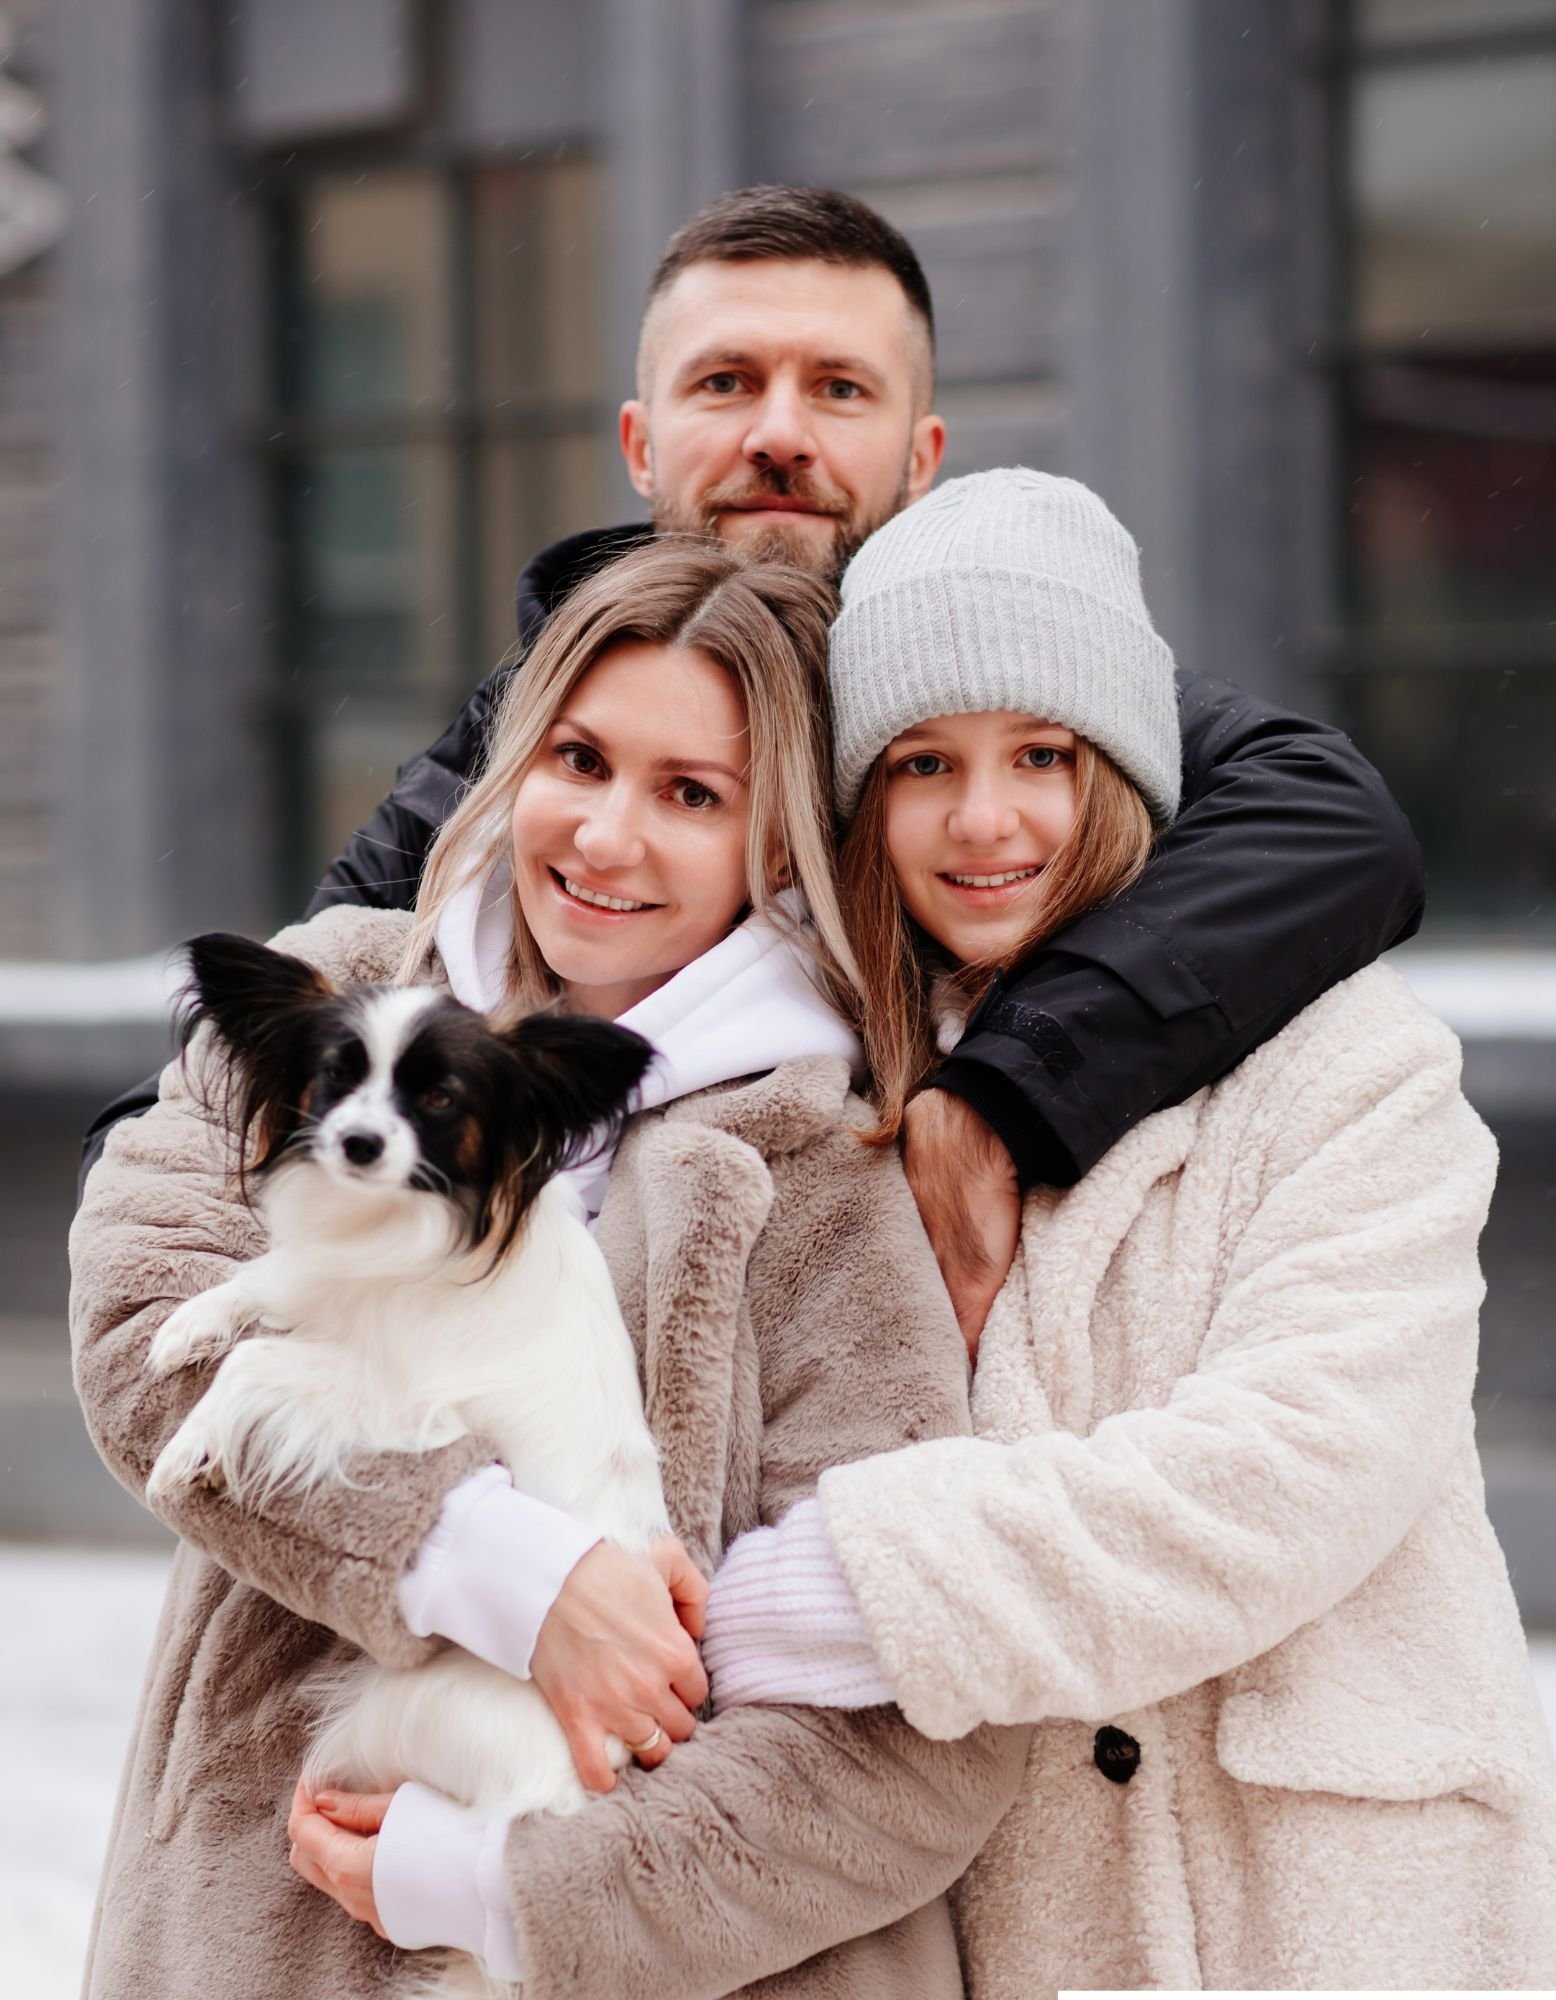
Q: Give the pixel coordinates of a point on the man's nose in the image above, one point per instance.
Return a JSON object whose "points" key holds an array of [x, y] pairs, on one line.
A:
{"points": [[610, 834], [780, 432], [980, 817]]}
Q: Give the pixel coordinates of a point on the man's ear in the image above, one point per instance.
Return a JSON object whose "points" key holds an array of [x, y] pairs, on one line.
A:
{"points": [[637, 448], [925, 451]]}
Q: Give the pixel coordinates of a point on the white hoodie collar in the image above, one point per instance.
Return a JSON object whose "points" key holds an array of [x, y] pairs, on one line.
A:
{"points": [[745, 1006]]}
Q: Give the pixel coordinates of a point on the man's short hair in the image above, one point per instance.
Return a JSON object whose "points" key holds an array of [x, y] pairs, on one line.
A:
{"points": [[789, 224]]}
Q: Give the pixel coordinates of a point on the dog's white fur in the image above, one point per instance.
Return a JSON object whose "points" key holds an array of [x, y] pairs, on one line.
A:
{"points": [[389, 1335]]}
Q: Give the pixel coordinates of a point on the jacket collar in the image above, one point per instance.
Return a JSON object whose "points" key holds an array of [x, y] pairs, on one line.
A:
{"points": [[548, 577]]}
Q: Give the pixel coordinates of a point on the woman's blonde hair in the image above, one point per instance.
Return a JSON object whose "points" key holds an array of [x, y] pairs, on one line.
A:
{"points": [[906, 981], [766, 625]]}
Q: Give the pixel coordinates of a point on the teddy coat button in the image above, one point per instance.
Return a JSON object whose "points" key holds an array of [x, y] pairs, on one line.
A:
{"points": [[1115, 1755]]}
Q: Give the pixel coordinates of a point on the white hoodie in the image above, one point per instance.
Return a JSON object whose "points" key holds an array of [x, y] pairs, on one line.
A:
{"points": [[495, 1560]]}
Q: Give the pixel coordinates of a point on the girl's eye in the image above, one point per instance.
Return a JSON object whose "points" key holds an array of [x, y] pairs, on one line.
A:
{"points": [[580, 759], [1042, 756], [925, 765], [688, 792]]}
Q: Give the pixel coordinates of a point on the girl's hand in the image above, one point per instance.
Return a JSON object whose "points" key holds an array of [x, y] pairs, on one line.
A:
{"points": [[333, 1837], [616, 1655]]}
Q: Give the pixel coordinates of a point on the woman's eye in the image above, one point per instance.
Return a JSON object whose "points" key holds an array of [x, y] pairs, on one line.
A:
{"points": [[579, 758], [688, 792]]}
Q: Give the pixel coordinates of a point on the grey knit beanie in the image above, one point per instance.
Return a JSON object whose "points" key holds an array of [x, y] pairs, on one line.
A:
{"points": [[1004, 590]]}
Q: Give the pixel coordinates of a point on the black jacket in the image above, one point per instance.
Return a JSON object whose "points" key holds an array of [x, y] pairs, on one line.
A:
{"points": [[1288, 867]]}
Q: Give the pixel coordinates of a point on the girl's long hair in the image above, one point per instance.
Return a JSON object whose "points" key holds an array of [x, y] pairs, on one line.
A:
{"points": [[766, 625], [907, 982]]}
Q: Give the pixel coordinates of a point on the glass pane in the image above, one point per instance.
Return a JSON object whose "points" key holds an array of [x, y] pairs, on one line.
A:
{"points": [[537, 250], [531, 493], [371, 535], [1453, 493], [1454, 188], [367, 324], [1468, 754], [1390, 23]]}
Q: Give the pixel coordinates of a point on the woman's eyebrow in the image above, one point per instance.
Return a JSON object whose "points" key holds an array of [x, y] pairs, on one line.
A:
{"points": [[695, 762]]}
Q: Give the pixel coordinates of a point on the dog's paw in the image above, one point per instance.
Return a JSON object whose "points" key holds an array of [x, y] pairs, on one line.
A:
{"points": [[185, 1460], [199, 1330]]}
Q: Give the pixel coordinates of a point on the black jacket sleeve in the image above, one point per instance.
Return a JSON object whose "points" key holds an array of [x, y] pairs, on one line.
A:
{"points": [[1289, 868]]}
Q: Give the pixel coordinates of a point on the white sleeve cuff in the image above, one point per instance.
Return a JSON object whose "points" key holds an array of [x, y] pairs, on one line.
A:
{"points": [[490, 1569], [784, 1626], [439, 1880]]}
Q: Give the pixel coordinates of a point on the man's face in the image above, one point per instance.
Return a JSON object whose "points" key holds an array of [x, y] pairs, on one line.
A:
{"points": [[783, 407]]}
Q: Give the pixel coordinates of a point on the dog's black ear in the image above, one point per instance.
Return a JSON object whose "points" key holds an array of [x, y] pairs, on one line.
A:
{"points": [[579, 1077], [242, 987]]}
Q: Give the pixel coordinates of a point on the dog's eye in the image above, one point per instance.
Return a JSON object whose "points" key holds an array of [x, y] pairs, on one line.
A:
{"points": [[438, 1098], [336, 1072]]}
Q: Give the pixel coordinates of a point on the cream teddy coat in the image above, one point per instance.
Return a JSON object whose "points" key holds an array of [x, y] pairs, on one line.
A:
{"points": [[789, 1315], [1222, 1531]]}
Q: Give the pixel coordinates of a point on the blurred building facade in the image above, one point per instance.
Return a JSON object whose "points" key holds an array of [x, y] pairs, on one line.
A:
{"points": [[332, 338]]}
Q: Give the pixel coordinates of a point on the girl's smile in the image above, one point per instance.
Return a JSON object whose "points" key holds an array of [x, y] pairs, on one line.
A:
{"points": [[976, 806]]}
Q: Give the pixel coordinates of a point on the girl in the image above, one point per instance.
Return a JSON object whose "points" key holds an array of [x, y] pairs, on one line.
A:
{"points": [[1221, 1533], [653, 806]]}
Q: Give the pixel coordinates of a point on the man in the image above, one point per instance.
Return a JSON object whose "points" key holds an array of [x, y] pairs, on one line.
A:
{"points": [[785, 376]]}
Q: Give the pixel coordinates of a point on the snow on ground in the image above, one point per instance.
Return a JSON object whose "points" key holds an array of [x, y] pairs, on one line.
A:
{"points": [[67, 1700]]}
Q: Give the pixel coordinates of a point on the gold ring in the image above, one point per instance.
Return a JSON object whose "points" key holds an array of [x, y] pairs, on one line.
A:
{"points": [[649, 1743]]}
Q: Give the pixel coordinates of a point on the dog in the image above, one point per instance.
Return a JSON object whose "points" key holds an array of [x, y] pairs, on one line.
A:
{"points": [[427, 1278]]}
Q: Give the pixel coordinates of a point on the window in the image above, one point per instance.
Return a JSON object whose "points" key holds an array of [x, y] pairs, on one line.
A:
{"points": [[1446, 357], [436, 419]]}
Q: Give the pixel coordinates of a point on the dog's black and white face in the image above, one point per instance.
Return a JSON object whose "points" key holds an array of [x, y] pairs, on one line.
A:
{"points": [[394, 1088]]}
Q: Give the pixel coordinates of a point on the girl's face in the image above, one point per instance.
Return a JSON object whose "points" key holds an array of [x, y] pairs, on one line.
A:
{"points": [[976, 806], [629, 829]]}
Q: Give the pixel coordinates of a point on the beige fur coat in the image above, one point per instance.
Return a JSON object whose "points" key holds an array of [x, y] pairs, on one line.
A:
{"points": [[789, 1316], [1224, 1503]]}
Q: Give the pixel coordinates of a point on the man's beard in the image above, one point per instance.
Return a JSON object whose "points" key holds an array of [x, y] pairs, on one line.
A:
{"points": [[776, 543]]}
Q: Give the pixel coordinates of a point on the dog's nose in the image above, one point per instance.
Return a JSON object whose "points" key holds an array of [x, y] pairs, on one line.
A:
{"points": [[362, 1148]]}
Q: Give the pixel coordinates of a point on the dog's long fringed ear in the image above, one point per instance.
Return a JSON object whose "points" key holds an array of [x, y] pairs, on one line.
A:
{"points": [[579, 1079], [242, 987]]}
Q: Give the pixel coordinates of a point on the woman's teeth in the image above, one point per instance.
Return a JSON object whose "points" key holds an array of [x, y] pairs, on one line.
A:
{"points": [[600, 902], [995, 881]]}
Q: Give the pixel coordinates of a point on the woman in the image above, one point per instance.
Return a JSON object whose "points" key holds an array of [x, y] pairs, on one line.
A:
{"points": [[1221, 1534], [655, 785]]}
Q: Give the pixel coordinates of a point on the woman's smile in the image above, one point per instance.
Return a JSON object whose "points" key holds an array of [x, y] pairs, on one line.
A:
{"points": [[589, 902]]}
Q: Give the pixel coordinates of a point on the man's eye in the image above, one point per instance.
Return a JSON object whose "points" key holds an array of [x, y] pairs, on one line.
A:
{"points": [[580, 758], [723, 384], [844, 392]]}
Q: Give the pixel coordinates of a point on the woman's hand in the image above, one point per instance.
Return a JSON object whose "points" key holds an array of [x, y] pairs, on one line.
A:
{"points": [[616, 1655], [333, 1838]]}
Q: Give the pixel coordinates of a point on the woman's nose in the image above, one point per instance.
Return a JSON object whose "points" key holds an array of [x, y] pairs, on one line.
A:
{"points": [[609, 834], [981, 817]]}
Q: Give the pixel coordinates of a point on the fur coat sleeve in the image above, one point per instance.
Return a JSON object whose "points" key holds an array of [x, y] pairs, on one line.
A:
{"points": [[161, 1221], [1325, 1206], [774, 1833]]}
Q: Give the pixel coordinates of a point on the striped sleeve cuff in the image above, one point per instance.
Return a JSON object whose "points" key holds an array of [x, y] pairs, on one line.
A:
{"points": [[784, 1626]]}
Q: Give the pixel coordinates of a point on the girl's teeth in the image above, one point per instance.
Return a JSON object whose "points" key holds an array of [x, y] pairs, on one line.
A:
{"points": [[993, 881], [600, 902]]}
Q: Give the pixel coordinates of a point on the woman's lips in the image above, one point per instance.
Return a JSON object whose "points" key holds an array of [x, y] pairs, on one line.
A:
{"points": [[576, 897]]}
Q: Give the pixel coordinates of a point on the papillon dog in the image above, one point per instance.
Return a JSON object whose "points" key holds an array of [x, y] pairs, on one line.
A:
{"points": [[426, 1278]]}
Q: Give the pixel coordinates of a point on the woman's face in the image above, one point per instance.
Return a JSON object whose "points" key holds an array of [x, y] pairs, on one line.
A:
{"points": [[629, 829], [976, 806]]}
